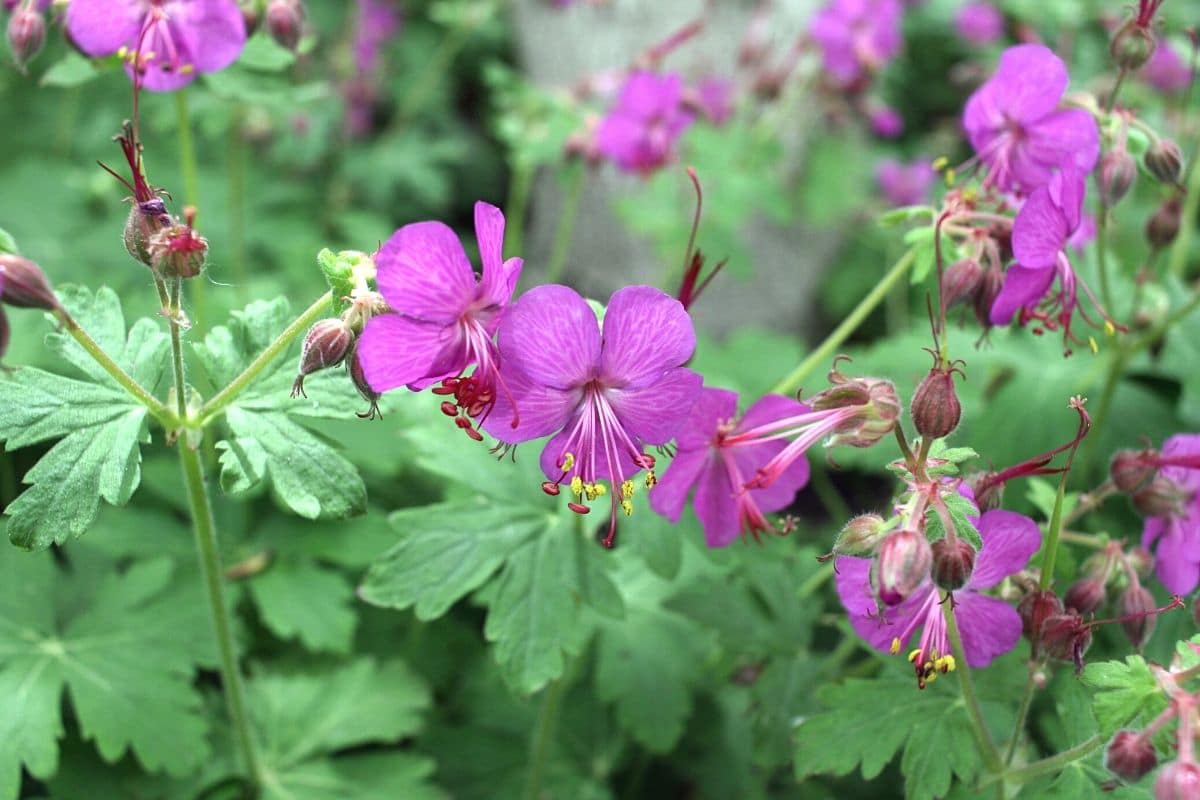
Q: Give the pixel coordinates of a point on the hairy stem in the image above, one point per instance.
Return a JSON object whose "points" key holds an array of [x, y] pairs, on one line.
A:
{"points": [[987, 748], [1052, 534], [1054, 763], [568, 213], [226, 396], [848, 326], [177, 365], [1022, 715]]}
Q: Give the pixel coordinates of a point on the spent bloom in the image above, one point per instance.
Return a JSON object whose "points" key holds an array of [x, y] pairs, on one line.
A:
{"points": [[979, 23], [989, 626], [1016, 128], [640, 131], [1175, 536], [905, 184], [166, 42], [856, 37], [604, 393], [711, 459], [444, 318]]}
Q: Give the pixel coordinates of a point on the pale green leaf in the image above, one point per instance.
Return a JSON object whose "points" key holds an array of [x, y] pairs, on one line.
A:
{"points": [[298, 599]]}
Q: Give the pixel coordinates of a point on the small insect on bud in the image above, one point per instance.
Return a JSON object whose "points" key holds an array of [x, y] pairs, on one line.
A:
{"points": [[1137, 614], [1034, 610], [1132, 45], [902, 563], [1085, 595], [285, 22], [1179, 780], [1161, 497], [953, 563], [26, 35], [960, 282], [1115, 175], [935, 407], [24, 285], [359, 379], [145, 219], [1164, 160], [325, 345], [1132, 470], [1163, 225], [177, 251], [860, 537], [1130, 755]]}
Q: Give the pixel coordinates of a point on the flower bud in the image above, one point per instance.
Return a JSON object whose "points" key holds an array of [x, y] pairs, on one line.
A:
{"points": [[877, 403], [145, 220], [1164, 160], [177, 251], [960, 282], [988, 492], [860, 537], [325, 345], [1162, 497], [989, 289], [1179, 780], [359, 378], [1130, 756], [24, 285], [1034, 610], [1137, 607], [1085, 595], [935, 407], [902, 563], [1115, 176], [26, 35], [251, 15], [953, 563], [1131, 46], [285, 22], [1131, 470], [1163, 225], [1066, 637]]}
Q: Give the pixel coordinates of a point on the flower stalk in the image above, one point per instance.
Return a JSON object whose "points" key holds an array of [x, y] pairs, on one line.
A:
{"points": [[987, 747]]}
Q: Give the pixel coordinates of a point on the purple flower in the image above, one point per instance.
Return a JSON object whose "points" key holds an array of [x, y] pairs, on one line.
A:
{"points": [[1176, 538], [378, 21], [714, 99], [1013, 124], [639, 132], [172, 40], [905, 184], [856, 37], [979, 23], [604, 394], [444, 318], [885, 121], [1166, 71], [719, 470], [989, 627]]}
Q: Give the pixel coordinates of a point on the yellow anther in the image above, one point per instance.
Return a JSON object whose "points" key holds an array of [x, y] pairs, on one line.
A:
{"points": [[123, 52], [627, 507], [600, 489], [895, 645], [950, 176], [946, 663], [1092, 344], [577, 486], [568, 462], [1109, 328], [590, 490], [627, 489], [651, 479], [913, 656], [187, 69], [970, 195], [940, 163]]}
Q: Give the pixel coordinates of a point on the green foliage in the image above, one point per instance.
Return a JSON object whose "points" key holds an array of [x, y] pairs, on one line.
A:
{"points": [[1125, 691]]}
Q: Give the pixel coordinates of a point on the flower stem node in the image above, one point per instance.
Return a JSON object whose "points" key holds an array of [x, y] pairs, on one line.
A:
{"points": [[953, 562], [1131, 46], [1164, 160], [1130, 755], [285, 22], [326, 344], [26, 35], [901, 565], [24, 285]]}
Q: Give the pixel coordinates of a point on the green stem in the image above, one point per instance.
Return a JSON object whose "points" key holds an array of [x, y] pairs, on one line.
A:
{"points": [[568, 213], [156, 408], [236, 155], [543, 736], [847, 327], [1054, 763], [177, 363], [210, 566], [226, 396], [814, 581], [1022, 714], [987, 748], [517, 207], [1102, 256], [827, 493], [1187, 222], [1116, 367], [1052, 534], [191, 184]]}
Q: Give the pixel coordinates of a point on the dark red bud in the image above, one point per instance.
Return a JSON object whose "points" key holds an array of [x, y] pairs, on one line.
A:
{"points": [[935, 407], [1164, 160], [325, 345], [1163, 226], [1137, 612], [1130, 756], [1034, 610], [1131, 46], [1161, 497], [26, 35], [1179, 780], [1115, 175], [1085, 596], [953, 563], [24, 285], [1132, 470], [860, 537], [960, 282], [989, 290], [988, 492], [902, 563], [359, 379], [285, 22], [1066, 637]]}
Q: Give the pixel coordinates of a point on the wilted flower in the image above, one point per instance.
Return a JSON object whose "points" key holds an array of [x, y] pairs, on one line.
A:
{"points": [[1175, 538], [718, 469], [979, 23], [639, 132], [905, 184], [856, 37]]}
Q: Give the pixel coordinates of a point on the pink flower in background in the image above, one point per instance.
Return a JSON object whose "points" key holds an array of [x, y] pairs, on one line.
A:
{"points": [[1166, 71], [444, 318], [979, 23], [377, 22], [885, 121], [713, 98], [174, 40], [1014, 124], [719, 470], [604, 393], [1175, 538], [989, 626], [905, 184], [856, 37], [640, 131]]}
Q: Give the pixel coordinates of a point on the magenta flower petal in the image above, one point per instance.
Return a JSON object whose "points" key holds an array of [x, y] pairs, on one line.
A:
{"points": [[655, 413], [1040, 232], [989, 627], [716, 508], [712, 407], [601, 468], [395, 351], [1028, 84], [1175, 563], [423, 272], [782, 491], [1009, 539], [854, 589], [499, 276], [639, 132], [646, 93], [553, 335], [1067, 138], [769, 408], [646, 332], [670, 495], [102, 27], [216, 31], [1022, 287], [1182, 444], [542, 409]]}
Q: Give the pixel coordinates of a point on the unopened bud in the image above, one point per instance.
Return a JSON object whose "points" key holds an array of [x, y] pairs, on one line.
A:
{"points": [[1163, 225], [251, 14], [145, 219], [1137, 612], [359, 379], [953, 563], [325, 345], [24, 285], [902, 564], [177, 251], [1132, 470], [935, 407], [1115, 175], [1179, 780], [285, 22], [1164, 160], [960, 282], [1067, 638], [1161, 497], [1131, 46], [1085, 595], [860, 537], [1130, 756], [1034, 610], [989, 289], [26, 35]]}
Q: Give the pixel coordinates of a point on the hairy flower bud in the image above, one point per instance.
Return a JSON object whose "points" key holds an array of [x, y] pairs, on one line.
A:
{"points": [[1066, 637], [960, 282], [1129, 755], [145, 219], [285, 22], [1179, 780], [1085, 595], [1137, 607], [876, 401], [989, 289], [1163, 225], [1034, 610], [1164, 160], [1132, 470], [24, 285], [935, 407], [1132, 45], [953, 563], [1115, 175], [325, 345], [1161, 497], [902, 563], [860, 537], [359, 379], [26, 35], [177, 251]]}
